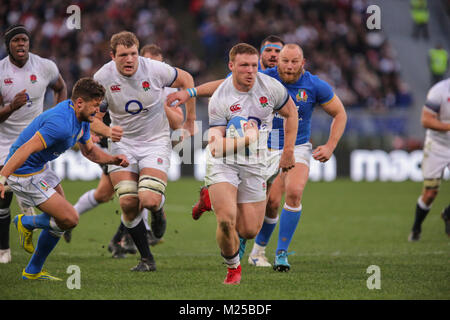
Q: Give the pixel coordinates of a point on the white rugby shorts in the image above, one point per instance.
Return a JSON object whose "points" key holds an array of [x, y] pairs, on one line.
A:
{"points": [[302, 154], [435, 159], [249, 180], [34, 189], [155, 155]]}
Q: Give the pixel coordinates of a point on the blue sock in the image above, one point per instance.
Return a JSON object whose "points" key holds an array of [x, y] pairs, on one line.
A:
{"points": [[40, 221], [266, 231], [46, 243], [242, 243], [288, 223]]}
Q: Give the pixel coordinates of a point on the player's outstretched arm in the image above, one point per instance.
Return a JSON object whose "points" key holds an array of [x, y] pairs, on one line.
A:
{"points": [[290, 115], [204, 90], [97, 155], [336, 109]]}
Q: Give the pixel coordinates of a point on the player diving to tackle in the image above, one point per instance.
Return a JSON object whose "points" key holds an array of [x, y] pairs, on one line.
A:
{"points": [[33, 182]]}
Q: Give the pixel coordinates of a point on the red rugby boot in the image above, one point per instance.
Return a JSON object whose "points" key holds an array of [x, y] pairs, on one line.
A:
{"points": [[203, 204], [233, 276]]}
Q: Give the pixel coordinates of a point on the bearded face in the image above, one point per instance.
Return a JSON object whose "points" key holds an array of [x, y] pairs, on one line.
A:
{"points": [[290, 64]]}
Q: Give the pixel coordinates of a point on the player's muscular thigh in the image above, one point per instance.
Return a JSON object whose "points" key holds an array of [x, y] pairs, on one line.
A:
{"points": [[250, 219]]}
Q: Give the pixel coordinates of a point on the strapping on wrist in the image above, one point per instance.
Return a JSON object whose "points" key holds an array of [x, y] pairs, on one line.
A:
{"points": [[192, 92]]}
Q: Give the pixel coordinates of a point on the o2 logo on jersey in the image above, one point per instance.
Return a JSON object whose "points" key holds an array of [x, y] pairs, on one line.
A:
{"points": [[130, 107]]}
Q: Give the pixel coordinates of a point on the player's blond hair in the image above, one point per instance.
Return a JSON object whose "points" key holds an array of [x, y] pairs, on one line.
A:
{"points": [[124, 38], [242, 48]]}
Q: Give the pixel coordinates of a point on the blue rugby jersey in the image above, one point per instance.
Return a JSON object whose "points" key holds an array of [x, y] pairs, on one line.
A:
{"points": [[308, 91], [59, 130]]}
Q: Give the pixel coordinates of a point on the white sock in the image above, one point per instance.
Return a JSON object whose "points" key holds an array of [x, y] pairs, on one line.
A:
{"points": [[258, 250], [145, 217], [232, 262], [54, 227], [163, 200], [422, 204], [86, 202], [133, 223]]}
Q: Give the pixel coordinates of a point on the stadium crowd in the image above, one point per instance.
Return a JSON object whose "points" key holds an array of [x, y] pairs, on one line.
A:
{"points": [[80, 54], [360, 65]]}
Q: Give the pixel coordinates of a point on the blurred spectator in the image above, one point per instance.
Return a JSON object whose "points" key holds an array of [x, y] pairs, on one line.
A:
{"points": [[420, 17], [438, 63], [80, 53]]}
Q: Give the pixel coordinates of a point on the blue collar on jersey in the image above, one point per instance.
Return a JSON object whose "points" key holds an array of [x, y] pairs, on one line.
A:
{"points": [[71, 104]]}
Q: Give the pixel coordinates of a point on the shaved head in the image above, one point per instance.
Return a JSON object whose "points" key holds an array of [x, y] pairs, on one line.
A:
{"points": [[291, 63], [292, 48]]}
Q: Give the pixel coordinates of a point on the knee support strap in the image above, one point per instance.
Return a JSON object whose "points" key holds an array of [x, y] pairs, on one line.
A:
{"points": [[431, 183], [153, 184], [126, 188]]}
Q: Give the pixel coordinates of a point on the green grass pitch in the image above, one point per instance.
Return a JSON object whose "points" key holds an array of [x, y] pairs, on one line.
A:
{"points": [[345, 228]]}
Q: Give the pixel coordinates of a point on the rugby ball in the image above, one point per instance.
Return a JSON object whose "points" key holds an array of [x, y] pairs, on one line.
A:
{"points": [[235, 127]]}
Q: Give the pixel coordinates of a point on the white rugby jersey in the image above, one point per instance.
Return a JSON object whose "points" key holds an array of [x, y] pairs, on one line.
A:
{"points": [[136, 103], [34, 76], [266, 96], [438, 102]]}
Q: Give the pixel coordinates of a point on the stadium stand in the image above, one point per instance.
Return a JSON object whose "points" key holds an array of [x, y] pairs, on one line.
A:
{"points": [[362, 65], [80, 54]]}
